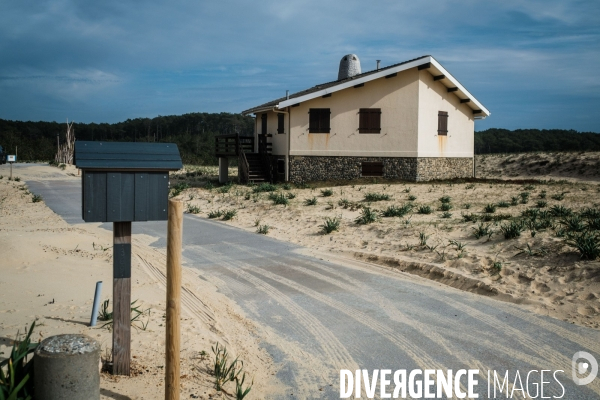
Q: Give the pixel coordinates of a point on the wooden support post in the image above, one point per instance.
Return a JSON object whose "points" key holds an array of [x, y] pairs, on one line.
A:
{"points": [[174, 234], [121, 348]]}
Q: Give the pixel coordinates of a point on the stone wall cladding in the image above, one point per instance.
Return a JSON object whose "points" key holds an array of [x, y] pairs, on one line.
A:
{"points": [[443, 168], [315, 168]]}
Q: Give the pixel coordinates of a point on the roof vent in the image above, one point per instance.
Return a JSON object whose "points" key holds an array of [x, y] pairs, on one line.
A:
{"points": [[349, 66]]}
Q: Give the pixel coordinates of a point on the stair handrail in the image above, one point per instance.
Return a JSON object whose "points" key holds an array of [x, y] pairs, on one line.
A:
{"points": [[243, 166]]}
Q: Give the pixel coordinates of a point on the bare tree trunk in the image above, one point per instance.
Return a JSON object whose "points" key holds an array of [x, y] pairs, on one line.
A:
{"points": [[65, 152]]}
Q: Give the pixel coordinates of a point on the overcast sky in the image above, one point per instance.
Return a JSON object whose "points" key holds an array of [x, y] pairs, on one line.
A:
{"points": [[533, 64]]}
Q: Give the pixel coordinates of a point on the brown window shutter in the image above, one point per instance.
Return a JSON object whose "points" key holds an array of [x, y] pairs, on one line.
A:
{"points": [[442, 123], [319, 120], [280, 123], [263, 124], [369, 120]]}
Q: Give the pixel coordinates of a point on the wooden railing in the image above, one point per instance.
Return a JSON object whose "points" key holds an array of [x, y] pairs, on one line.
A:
{"points": [[243, 166], [230, 145]]}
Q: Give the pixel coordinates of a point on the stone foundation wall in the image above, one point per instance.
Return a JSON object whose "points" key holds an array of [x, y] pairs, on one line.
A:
{"points": [[311, 168], [443, 168]]}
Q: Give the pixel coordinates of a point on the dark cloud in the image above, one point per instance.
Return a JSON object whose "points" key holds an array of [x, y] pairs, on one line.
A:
{"points": [[112, 60]]}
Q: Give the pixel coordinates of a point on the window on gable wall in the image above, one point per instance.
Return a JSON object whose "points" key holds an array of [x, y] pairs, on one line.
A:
{"points": [[443, 123], [369, 120], [280, 123], [263, 124], [319, 120]]}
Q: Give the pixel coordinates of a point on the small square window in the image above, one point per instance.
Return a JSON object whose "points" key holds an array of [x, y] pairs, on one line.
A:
{"points": [[319, 119], [370, 168], [369, 120]]}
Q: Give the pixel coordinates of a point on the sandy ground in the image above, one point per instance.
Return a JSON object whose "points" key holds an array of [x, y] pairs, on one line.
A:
{"points": [[537, 270], [574, 167], [48, 272]]}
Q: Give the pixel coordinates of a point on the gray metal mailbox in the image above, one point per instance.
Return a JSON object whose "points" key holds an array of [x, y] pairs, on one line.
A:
{"points": [[121, 183], [125, 181]]}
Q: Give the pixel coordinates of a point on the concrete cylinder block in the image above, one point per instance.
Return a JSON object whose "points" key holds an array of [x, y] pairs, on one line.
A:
{"points": [[67, 367]]}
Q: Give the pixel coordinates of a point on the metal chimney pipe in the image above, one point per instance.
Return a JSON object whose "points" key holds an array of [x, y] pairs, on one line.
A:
{"points": [[378, 62], [287, 94]]}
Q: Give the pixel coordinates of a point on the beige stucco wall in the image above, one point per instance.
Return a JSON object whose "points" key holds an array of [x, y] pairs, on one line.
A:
{"points": [[398, 99], [279, 140], [434, 97], [409, 103]]}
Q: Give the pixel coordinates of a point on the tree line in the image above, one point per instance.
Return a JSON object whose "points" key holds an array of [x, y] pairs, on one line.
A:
{"points": [[528, 140], [193, 133]]}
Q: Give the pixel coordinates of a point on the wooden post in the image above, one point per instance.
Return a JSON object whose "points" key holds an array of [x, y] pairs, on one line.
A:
{"points": [[121, 350], [174, 233]]}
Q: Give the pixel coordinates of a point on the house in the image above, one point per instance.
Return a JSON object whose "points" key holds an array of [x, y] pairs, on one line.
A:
{"points": [[411, 120]]}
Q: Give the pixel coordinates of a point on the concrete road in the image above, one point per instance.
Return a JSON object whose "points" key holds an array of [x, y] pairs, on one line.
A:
{"points": [[318, 317]]}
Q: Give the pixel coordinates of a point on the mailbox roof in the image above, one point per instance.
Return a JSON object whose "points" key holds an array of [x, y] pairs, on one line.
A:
{"points": [[127, 155]]}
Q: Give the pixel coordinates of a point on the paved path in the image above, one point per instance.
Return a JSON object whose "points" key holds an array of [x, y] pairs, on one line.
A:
{"points": [[318, 317]]}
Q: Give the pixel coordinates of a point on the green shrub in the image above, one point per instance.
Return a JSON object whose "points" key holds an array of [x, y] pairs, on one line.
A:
{"points": [[229, 214], [587, 243], [423, 239], [560, 211], [344, 203], [263, 229], [310, 202], [17, 179], [16, 382], [466, 206], [558, 197], [376, 197], [470, 217], [36, 198], [590, 213], [593, 224], [424, 209], [330, 225], [495, 217], [178, 188], [286, 186], [489, 208], [411, 197], [446, 207], [264, 187], [215, 214], [326, 192], [482, 230], [445, 199], [573, 223], [225, 188], [446, 214], [541, 203], [291, 195], [367, 216], [279, 198], [512, 230], [524, 197], [543, 194], [514, 201], [192, 209], [503, 204], [394, 211]]}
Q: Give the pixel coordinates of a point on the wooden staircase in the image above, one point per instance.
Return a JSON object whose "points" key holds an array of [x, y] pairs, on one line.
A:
{"points": [[252, 167], [256, 169]]}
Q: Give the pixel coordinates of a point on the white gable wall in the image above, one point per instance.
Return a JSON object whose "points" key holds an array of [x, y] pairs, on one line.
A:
{"points": [[434, 97]]}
